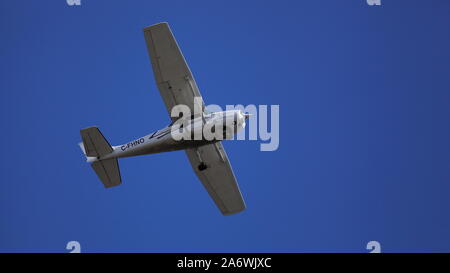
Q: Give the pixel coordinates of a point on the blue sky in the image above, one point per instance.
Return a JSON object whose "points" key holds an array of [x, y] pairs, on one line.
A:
{"points": [[364, 153]]}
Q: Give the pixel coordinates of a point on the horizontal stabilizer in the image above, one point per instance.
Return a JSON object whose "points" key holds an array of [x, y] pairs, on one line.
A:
{"points": [[95, 144], [108, 172]]}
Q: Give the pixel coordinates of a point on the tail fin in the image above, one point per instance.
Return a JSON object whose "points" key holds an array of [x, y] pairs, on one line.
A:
{"points": [[89, 159], [95, 146]]}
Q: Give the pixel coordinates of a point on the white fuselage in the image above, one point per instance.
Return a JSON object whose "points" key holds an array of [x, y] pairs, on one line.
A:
{"points": [[184, 133]]}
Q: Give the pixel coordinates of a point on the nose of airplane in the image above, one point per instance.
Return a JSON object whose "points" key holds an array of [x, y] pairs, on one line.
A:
{"points": [[242, 118]]}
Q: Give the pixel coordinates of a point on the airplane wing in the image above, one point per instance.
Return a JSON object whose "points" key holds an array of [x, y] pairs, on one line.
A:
{"points": [[173, 77], [218, 177]]}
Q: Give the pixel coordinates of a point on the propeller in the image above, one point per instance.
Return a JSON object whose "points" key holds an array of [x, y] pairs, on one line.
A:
{"points": [[247, 115]]}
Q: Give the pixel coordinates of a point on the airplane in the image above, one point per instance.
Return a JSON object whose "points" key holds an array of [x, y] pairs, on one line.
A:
{"points": [[206, 155]]}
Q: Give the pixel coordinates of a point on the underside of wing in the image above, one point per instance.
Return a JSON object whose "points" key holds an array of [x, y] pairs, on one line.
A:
{"points": [[211, 165], [173, 77]]}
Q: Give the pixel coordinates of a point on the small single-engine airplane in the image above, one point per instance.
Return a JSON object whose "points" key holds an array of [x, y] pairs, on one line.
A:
{"points": [[206, 154]]}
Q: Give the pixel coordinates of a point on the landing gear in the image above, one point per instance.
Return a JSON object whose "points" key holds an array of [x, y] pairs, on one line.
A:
{"points": [[202, 166]]}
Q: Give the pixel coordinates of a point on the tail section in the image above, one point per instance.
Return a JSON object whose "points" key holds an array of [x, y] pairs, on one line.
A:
{"points": [[108, 172], [95, 146], [89, 159]]}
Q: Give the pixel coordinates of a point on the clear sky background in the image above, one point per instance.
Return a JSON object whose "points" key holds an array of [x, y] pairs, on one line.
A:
{"points": [[364, 95]]}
